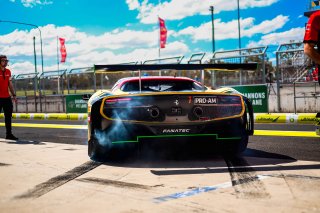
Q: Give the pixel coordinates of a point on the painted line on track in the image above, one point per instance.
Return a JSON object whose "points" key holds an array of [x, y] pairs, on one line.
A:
{"points": [[199, 190], [285, 133], [256, 132]]}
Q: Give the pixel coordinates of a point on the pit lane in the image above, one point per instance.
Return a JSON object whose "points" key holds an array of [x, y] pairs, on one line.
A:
{"points": [[48, 170]]}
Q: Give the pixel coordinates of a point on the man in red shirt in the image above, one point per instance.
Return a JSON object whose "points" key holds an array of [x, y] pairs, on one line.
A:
{"points": [[312, 38], [5, 98]]}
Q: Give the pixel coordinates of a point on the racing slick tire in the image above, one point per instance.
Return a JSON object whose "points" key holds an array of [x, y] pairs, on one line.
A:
{"points": [[96, 152], [235, 148]]}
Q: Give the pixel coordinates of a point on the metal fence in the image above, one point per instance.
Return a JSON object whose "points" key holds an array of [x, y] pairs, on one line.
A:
{"points": [[292, 63], [292, 69], [80, 80], [242, 77], [303, 91], [46, 92], [26, 89]]}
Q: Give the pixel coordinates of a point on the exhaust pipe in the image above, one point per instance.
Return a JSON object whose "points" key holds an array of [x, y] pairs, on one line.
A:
{"points": [[198, 112], [154, 112]]}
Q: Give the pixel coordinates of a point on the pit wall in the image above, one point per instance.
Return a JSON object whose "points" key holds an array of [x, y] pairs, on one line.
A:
{"points": [[307, 101]]}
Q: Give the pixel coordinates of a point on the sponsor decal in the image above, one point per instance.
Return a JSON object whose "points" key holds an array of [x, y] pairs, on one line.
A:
{"points": [[307, 119], [205, 100], [270, 119], [175, 130], [38, 116], [176, 102], [24, 116]]}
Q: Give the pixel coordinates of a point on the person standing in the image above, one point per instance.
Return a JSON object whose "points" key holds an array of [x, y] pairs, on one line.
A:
{"points": [[312, 39], [5, 98]]}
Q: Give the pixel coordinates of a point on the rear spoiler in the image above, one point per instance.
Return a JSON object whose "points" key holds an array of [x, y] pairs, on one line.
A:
{"points": [[154, 67], [129, 67]]}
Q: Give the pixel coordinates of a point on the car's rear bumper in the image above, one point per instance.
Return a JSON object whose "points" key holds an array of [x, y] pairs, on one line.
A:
{"points": [[215, 131]]}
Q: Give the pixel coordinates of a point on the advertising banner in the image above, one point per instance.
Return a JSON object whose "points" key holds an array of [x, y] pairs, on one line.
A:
{"points": [[258, 95], [75, 104]]}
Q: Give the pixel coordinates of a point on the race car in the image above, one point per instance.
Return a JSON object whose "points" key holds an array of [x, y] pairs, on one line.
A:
{"points": [[147, 109]]}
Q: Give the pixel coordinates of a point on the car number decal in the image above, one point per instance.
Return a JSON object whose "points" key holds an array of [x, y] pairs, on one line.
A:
{"points": [[205, 100]]}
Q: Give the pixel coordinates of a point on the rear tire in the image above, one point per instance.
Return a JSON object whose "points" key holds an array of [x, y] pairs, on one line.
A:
{"points": [[96, 152], [234, 148]]}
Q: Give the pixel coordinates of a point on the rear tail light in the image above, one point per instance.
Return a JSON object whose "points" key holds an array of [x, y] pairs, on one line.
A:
{"points": [[117, 100]]}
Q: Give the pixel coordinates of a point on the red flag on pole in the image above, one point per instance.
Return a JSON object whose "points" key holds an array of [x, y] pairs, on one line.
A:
{"points": [[163, 33], [63, 50]]}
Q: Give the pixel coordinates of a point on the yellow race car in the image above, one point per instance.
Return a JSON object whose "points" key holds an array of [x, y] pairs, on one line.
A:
{"points": [[167, 108]]}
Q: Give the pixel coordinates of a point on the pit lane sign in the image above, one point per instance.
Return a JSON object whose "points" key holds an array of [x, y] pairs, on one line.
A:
{"points": [[75, 104], [258, 95]]}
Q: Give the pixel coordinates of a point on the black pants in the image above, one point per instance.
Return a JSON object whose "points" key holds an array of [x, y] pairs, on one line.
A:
{"points": [[6, 105]]}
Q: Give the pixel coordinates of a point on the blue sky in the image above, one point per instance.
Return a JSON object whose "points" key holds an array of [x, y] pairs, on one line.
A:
{"points": [[120, 31]]}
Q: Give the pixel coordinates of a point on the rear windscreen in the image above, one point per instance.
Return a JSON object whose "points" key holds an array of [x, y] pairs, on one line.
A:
{"points": [[161, 86]]}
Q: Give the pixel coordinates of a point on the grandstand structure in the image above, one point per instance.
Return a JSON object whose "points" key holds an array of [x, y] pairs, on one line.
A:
{"points": [[292, 64]]}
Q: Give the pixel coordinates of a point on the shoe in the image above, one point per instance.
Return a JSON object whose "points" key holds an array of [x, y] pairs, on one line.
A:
{"points": [[11, 137]]}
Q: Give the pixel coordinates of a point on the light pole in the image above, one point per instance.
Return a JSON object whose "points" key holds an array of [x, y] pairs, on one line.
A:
{"points": [[239, 24], [213, 46], [212, 20], [33, 25]]}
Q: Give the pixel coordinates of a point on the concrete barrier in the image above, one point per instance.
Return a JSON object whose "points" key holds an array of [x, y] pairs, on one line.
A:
{"points": [[302, 118], [49, 116]]}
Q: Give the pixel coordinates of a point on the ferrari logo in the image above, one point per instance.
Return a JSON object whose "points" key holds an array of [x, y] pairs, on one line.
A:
{"points": [[176, 102]]}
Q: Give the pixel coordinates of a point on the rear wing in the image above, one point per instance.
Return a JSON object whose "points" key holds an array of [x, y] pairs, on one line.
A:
{"points": [[129, 67], [186, 67]]}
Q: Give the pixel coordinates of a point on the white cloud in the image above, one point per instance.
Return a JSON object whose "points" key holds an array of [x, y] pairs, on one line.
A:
{"points": [[118, 46], [229, 30], [179, 9], [32, 3], [22, 67], [294, 34], [133, 4], [265, 26]]}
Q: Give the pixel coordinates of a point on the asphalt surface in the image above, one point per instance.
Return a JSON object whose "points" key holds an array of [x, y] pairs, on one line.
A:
{"points": [[299, 148], [48, 170]]}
